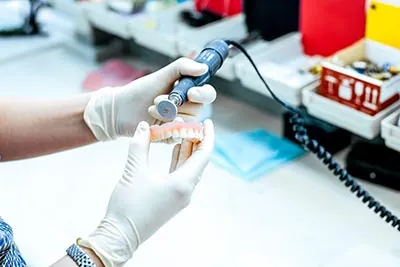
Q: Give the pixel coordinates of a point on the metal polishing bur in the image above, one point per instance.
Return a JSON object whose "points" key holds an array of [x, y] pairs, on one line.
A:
{"points": [[167, 109]]}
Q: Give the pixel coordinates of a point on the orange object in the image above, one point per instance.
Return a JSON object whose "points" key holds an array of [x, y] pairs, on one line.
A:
{"points": [[193, 131], [223, 8], [330, 25]]}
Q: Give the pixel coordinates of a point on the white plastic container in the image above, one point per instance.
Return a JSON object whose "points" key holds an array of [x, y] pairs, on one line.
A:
{"points": [[391, 131], [229, 70], [77, 14], [69, 7], [110, 21], [191, 43], [343, 116], [279, 66], [159, 30]]}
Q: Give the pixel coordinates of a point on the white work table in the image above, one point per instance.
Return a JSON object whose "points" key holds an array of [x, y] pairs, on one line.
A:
{"points": [[296, 216]]}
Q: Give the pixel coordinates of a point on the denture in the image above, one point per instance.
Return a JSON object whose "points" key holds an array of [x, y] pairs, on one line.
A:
{"points": [[177, 131]]}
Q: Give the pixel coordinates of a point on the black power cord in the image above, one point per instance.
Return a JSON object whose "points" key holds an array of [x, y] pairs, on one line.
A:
{"points": [[297, 121]]}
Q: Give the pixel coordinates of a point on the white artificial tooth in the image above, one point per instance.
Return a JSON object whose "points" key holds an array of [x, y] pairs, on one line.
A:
{"points": [[167, 134], [196, 134], [201, 136], [175, 134], [184, 133], [190, 133], [162, 137]]}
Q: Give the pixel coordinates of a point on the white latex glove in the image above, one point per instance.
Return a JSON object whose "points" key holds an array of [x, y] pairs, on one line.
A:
{"points": [[143, 201], [116, 112]]}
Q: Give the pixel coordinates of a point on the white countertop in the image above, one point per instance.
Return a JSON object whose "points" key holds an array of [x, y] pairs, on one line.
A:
{"points": [[297, 215]]}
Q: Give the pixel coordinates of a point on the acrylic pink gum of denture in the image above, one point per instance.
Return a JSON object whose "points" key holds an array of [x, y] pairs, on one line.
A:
{"points": [[192, 131]]}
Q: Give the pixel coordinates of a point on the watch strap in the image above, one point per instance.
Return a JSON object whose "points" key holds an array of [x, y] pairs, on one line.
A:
{"points": [[79, 256]]}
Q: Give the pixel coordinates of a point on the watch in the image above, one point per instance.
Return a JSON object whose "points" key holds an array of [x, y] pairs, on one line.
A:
{"points": [[79, 256]]}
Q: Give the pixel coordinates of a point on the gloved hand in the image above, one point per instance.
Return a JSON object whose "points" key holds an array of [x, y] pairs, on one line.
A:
{"points": [[116, 112], [143, 201]]}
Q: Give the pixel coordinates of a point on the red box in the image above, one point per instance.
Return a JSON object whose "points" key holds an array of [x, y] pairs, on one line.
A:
{"points": [[328, 26], [356, 90], [224, 8]]}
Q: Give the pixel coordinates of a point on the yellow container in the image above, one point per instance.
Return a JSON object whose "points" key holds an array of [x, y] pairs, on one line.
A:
{"points": [[383, 22]]}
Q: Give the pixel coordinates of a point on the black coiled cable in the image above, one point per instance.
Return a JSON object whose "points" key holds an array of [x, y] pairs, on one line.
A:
{"points": [[297, 122]]}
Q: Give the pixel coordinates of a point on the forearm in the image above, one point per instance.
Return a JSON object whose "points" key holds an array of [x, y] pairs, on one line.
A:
{"points": [[68, 262], [30, 128]]}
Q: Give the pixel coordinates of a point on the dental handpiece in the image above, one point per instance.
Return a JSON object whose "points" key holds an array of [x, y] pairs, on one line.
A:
{"points": [[213, 55]]}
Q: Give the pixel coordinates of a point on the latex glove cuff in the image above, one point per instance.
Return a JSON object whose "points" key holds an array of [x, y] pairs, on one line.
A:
{"points": [[99, 114], [113, 247]]}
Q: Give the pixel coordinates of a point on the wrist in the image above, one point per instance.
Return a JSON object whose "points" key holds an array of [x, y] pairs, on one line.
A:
{"points": [[96, 260]]}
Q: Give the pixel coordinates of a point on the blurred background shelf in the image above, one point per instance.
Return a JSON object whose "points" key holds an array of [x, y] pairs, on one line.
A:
{"points": [[73, 8], [343, 116], [159, 31], [191, 43], [58, 30], [254, 49], [391, 131], [279, 66], [77, 14], [109, 21]]}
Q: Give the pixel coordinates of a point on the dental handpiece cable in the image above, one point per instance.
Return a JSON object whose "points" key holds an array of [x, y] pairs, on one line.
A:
{"points": [[301, 135], [213, 55]]}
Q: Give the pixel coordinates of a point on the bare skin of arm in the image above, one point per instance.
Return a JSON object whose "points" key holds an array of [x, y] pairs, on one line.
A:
{"points": [[68, 262], [31, 128]]}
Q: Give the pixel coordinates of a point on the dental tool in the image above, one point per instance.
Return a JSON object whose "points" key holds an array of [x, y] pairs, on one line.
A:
{"points": [[213, 55]]}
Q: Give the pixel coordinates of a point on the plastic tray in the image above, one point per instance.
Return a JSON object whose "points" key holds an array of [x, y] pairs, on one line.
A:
{"points": [[159, 31], [391, 131], [76, 9], [68, 7], [343, 116], [191, 43], [281, 51], [255, 48], [110, 21], [76, 12]]}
